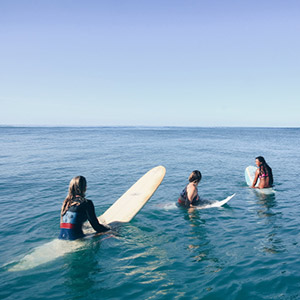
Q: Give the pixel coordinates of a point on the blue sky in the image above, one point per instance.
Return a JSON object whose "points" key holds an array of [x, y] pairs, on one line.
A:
{"points": [[151, 63]]}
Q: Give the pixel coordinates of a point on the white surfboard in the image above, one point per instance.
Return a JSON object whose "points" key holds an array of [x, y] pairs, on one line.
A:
{"points": [[123, 210], [249, 177], [207, 204], [215, 203]]}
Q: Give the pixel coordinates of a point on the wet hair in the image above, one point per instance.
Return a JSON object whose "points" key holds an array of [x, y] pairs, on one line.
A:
{"points": [[195, 176], [77, 187], [261, 159], [265, 169]]}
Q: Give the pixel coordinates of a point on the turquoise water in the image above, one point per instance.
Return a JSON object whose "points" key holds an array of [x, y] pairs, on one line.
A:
{"points": [[248, 249]]}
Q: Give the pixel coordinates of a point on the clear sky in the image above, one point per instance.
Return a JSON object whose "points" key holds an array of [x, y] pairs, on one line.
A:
{"points": [[151, 63]]}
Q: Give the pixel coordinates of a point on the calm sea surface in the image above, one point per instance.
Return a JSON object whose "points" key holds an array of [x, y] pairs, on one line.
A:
{"points": [[248, 249]]}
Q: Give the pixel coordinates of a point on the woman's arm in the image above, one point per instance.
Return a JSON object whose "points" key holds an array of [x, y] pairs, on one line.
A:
{"points": [[93, 219], [255, 179], [191, 193]]}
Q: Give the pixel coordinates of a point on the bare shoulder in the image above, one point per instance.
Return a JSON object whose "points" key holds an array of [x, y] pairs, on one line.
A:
{"points": [[191, 187]]}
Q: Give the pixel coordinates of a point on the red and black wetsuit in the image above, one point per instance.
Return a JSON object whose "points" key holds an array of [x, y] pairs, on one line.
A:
{"points": [[81, 210]]}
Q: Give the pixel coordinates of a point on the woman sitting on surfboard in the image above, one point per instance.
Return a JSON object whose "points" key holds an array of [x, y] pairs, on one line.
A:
{"points": [[76, 209], [264, 173], [189, 196]]}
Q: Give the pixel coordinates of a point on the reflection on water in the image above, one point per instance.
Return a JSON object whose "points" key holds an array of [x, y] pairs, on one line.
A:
{"points": [[200, 245], [79, 281], [271, 243], [266, 203], [143, 259]]}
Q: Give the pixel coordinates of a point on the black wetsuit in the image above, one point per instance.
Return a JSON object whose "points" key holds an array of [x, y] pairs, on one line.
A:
{"points": [[81, 210]]}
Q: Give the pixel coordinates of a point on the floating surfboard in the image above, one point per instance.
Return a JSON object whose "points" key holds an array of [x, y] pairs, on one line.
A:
{"points": [[210, 204], [249, 177], [123, 210], [206, 204]]}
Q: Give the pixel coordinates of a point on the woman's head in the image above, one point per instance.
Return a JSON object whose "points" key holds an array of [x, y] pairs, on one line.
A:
{"points": [[195, 176], [77, 186], [259, 160]]}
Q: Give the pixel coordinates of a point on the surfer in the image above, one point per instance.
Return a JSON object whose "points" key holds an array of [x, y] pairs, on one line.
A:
{"points": [[76, 209], [264, 173], [189, 196]]}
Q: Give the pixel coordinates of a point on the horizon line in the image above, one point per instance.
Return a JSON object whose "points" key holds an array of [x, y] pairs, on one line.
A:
{"points": [[140, 126]]}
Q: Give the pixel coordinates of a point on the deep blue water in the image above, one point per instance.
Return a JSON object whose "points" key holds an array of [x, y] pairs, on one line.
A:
{"points": [[248, 249]]}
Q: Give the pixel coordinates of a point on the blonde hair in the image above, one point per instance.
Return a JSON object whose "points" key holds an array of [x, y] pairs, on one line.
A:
{"points": [[195, 176], [77, 187]]}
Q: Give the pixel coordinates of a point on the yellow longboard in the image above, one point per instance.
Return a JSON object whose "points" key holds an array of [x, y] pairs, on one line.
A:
{"points": [[132, 201]]}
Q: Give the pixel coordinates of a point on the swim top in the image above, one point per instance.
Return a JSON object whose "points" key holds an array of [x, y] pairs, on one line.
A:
{"points": [[183, 198], [81, 210], [263, 173]]}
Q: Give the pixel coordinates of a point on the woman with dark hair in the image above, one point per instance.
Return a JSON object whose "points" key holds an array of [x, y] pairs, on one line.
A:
{"points": [[264, 173], [189, 196], [76, 209]]}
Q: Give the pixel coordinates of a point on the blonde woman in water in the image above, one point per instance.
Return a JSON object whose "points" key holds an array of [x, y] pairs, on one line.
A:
{"points": [[76, 209]]}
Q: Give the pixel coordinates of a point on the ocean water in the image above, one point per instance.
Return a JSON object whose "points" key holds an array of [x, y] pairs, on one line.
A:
{"points": [[248, 249]]}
